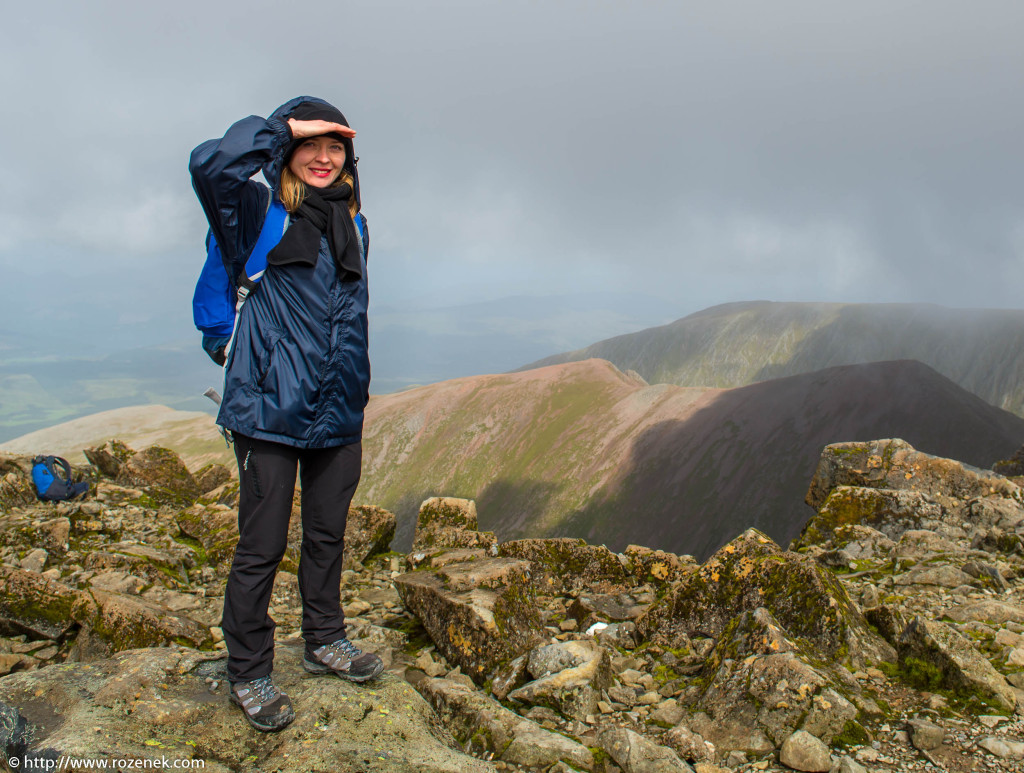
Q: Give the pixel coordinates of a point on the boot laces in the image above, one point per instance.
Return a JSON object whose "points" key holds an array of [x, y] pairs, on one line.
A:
{"points": [[264, 689], [347, 648]]}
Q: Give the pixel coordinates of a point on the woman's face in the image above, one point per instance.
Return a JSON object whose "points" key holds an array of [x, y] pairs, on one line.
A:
{"points": [[318, 160]]}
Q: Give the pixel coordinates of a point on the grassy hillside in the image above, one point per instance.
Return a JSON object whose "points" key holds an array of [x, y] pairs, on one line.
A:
{"points": [[737, 344], [191, 433]]}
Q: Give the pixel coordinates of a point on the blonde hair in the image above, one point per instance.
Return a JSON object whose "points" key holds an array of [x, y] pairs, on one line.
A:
{"points": [[293, 191]]}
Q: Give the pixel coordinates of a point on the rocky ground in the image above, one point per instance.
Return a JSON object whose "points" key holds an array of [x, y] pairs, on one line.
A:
{"points": [[889, 637]]}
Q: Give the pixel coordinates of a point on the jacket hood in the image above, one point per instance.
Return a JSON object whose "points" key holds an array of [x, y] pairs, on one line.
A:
{"points": [[272, 169]]}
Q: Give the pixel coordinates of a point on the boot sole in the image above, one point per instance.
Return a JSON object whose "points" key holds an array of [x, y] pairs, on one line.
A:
{"points": [[319, 668]]}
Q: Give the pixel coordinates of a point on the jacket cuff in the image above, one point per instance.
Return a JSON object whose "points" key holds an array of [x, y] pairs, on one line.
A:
{"points": [[282, 133]]}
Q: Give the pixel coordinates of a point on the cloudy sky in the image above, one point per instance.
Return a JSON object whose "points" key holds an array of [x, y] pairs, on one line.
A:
{"points": [[690, 153]]}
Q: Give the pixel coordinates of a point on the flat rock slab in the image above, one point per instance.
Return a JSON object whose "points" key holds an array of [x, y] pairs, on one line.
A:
{"points": [[475, 719], [478, 613], [989, 611], [147, 704], [567, 562], [636, 754]]}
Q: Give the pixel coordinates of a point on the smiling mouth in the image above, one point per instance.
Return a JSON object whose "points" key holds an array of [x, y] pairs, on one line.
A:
{"points": [[320, 172]]}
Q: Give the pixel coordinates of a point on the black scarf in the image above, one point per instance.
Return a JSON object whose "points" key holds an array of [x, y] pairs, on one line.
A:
{"points": [[323, 211]]}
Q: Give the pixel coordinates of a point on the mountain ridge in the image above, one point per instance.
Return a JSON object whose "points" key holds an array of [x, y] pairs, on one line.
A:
{"points": [[746, 342]]}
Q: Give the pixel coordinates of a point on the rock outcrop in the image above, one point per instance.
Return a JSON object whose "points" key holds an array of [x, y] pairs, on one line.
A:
{"points": [[889, 635]]}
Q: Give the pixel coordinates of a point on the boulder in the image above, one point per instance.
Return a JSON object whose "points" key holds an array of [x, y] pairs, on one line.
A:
{"points": [[751, 572], [889, 620], [566, 563], [895, 464], [16, 487], [211, 477], [802, 751], [478, 613], [636, 754], [482, 724], [942, 575], [589, 608], [859, 541], [657, 567], [40, 607], [214, 528], [886, 511], [690, 746], [567, 677], [932, 655], [987, 610], [448, 522], [163, 474], [368, 531], [995, 512], [761, 686], [148, 704], [925, 735], [123, 622], [109, 459], [1004, 748]]}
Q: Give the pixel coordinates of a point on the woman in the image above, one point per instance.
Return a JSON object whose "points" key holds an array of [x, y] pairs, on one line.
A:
{"points": [[297, 376]]}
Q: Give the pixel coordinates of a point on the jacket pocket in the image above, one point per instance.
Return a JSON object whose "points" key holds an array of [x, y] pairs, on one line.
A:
{"points": [[272, 339]]}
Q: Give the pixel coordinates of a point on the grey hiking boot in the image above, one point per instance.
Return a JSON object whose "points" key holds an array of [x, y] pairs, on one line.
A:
{"points": [[267, 708], [344, 659]]}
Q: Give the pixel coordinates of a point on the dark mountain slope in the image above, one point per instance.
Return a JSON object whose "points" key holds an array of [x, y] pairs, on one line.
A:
{"points": [[745, 459], [581, 449]]}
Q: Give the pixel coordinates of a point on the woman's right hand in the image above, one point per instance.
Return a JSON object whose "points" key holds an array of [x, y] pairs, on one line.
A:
{"points": [[302, 129]]}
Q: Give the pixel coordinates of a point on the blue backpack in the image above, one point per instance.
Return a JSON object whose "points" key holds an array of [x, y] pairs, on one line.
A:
{"points": [[50, 485], [220, 293]]}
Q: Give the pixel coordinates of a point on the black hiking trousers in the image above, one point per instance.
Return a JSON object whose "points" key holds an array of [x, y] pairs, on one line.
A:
{"points": [[266, 473]]}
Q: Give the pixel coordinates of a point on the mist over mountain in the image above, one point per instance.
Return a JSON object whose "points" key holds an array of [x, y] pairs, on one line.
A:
{"points": [[736, 344]]}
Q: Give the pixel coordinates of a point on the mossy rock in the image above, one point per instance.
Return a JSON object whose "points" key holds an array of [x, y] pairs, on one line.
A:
{"points": [[751, 572], [164, 476], [933, 655], [479, 614], [33, 604], [895, 464], [568, 562], [887, 511]]}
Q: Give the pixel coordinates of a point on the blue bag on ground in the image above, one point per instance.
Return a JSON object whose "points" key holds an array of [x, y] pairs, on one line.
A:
{"points": [[51, 486]]}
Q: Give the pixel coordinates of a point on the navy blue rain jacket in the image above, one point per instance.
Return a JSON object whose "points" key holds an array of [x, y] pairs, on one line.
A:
{"points": [[298, 371]]}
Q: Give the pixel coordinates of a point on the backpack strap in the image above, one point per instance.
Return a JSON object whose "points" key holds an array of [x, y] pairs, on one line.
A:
{"points": [[59, 460], [274, 223]]}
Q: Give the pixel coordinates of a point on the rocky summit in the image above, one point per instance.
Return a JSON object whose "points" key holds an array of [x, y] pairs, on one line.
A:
{"points": [[889, 636]]}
